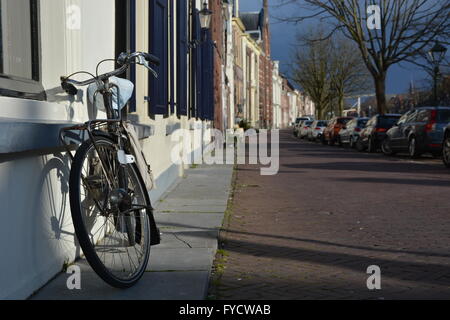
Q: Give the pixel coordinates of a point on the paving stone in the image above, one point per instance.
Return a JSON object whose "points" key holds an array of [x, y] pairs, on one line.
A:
{"points": [[393, 214], [179, 267], [152, 286]]}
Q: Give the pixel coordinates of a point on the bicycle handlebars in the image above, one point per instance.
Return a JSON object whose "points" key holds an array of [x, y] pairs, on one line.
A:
{"points": [[125, 59]]}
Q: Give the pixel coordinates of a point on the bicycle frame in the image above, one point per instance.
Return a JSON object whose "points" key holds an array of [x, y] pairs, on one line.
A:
{"points": [[112, 125]]}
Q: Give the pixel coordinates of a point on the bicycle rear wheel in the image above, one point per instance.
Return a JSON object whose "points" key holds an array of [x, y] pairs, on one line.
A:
{"points": [[110, 211]]}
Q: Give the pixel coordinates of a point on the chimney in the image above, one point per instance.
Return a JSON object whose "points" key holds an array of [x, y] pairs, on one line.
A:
{"points": [[266, 11]]}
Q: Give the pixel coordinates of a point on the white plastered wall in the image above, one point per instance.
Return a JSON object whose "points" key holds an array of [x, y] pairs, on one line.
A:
{"points": [[36, 236], [39, 237]]}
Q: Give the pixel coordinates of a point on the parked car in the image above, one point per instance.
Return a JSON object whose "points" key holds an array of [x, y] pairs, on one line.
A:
{"points": [[304, 129], [317, 130], [419, 131], [350, 133], [331, 132], [373, 135], [298, 123], [446, 146]]}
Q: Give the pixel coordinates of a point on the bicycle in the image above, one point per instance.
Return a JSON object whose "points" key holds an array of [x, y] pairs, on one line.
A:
{"points": [[110, 206]]}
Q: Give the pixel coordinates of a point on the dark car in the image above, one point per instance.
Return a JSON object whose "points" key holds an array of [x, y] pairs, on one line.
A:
{"points": [[418, 131], [350, 133], [331, 132], [373, 135], [446, 147]]}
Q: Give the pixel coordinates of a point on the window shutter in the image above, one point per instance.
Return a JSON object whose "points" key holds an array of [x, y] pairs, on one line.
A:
{"points": [[182, 64], [207, 94], [211, 79], [158, 88], [204, 84], [197, 66]]}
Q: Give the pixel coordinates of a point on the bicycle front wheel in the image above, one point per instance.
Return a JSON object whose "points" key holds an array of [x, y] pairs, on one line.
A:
{"points": [[110, 211]]}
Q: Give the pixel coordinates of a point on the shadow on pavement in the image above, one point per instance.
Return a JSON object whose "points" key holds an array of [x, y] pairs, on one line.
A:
{"points": [[202, 233], [419, 182], [385, 166]]}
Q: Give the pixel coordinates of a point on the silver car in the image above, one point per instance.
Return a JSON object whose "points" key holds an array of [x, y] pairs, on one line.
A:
{"points": [[351, 132], [304, 129], [298, 124], [316, 131]]}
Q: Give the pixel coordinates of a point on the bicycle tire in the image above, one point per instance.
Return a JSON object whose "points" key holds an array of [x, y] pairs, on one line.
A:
{"points": [[84, 236]]}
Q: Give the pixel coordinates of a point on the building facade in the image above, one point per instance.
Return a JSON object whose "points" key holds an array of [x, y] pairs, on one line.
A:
{"points": [[60, 41], [208, 78], [277, 88], [238, 69]]}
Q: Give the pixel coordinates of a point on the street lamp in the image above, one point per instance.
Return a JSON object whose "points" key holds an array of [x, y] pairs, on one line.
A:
{"points": [[205, 16], [437, 54]]}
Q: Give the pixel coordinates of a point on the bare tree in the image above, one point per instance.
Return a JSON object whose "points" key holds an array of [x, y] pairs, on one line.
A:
{"points": [[348, 73], [436, 74], [423, 60], [328, 70], [311, 71], [405, 28]]}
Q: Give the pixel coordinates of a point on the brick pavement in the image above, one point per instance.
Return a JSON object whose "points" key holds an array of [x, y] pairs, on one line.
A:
{"points": [[311, 231]]}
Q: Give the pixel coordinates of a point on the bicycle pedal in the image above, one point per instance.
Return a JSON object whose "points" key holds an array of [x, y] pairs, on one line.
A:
{"points": [[125, 158]]}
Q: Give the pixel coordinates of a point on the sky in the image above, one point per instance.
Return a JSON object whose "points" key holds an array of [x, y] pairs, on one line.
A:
{"points": [[284, 35]]}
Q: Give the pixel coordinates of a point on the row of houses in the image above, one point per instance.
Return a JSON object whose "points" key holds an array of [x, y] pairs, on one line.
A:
{"points": [[251, 86], [208, 78]]}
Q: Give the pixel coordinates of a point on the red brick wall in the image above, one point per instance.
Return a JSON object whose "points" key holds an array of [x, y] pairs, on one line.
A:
{"points": [[217, 36], [266, 69]]}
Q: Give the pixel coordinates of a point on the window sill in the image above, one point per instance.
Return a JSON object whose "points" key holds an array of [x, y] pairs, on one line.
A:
{"points": [[17, 136]]}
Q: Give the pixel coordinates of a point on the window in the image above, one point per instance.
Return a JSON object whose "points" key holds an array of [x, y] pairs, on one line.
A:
{"points": [[412, 116], [444, 116], [343, 121], [387, 122], [362, 123], [126, 38], [404, 117], [19, 50], [423, 116]]}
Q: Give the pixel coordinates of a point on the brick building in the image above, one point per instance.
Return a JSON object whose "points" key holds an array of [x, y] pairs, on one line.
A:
{"points": [[257, 27], [265, 74], [217, 33]]}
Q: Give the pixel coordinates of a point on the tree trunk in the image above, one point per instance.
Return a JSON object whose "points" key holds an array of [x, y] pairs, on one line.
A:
{"points": [[380, 90], [341, 105], [319, 110]]}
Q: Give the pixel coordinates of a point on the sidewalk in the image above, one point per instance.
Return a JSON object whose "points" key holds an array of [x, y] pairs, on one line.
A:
{"points": [[189, 216]]}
